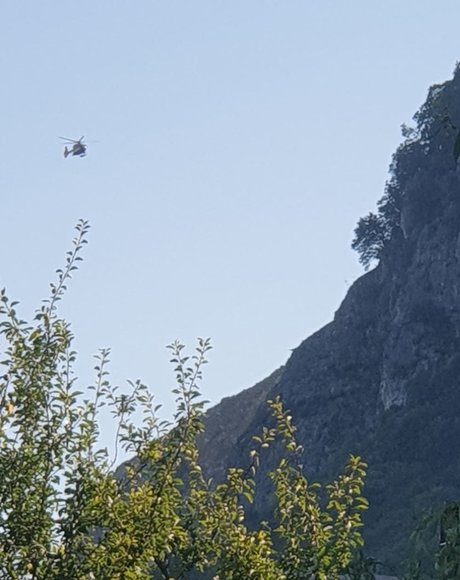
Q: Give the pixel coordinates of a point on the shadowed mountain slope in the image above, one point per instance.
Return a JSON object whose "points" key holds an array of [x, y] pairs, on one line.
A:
{"points": [[382, 380]]}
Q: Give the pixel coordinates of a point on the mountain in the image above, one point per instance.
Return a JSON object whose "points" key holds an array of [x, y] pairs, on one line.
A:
{"points": [[382, 380]]}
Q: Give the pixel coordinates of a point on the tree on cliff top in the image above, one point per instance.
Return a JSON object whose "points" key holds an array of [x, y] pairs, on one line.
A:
{"points": [[432, 144]]}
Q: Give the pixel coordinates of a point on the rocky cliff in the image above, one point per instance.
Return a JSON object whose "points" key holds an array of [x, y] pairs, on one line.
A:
{"points": [[382, 380]]}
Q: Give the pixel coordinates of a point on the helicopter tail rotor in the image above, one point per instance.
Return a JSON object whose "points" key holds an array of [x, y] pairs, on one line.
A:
{"points": [[66, 152]]}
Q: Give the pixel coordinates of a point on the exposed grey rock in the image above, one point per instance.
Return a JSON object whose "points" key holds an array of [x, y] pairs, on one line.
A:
{"points": [[382, 379]]}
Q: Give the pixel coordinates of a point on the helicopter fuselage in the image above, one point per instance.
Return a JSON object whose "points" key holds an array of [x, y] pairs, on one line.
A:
{"points": [[78, 149]]}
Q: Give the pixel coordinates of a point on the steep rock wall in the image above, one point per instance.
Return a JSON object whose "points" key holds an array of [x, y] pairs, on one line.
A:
{"points": [[382, 380]]}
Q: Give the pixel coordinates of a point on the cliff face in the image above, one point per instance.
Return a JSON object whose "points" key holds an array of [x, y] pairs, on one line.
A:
{"points": [[382, 380]]}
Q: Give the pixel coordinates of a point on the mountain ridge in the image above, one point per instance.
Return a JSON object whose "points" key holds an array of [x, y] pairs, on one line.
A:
{"points": [[381, 379]]}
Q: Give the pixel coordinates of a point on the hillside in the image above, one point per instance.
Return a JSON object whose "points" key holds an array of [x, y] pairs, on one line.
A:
{"points": [[382, 379]]}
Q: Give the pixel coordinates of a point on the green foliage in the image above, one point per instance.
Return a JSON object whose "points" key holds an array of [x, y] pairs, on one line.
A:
{"points": [[362, 568], [65, 513], [436, 131], [370, 237], [376, 229], [441, 527]]}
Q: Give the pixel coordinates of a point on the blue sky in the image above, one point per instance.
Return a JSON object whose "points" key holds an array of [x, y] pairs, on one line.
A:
{"points": [[239, 144]]}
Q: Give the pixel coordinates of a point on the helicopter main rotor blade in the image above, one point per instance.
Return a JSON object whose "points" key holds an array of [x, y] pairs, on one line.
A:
{"points": [[69, 140]]}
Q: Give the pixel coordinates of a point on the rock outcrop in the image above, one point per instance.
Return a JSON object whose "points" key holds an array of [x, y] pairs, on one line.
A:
{"points": [[382, 380]]}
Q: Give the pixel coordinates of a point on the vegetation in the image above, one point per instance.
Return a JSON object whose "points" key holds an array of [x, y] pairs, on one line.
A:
{"points": [[65, 512], [442, 562], [371, 234], [424, 149]]}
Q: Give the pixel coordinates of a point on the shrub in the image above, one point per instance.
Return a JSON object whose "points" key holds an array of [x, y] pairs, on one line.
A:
{"points": [[65, 512]]}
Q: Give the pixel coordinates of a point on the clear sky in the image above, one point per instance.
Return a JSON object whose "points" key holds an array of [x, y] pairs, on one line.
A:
{"points": [[240, 142]]}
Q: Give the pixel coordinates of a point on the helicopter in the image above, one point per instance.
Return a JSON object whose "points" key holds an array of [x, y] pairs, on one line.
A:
{"points": [[76, 147]]}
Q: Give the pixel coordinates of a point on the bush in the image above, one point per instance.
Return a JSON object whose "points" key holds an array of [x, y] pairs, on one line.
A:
{"points": [[65, 513]]}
